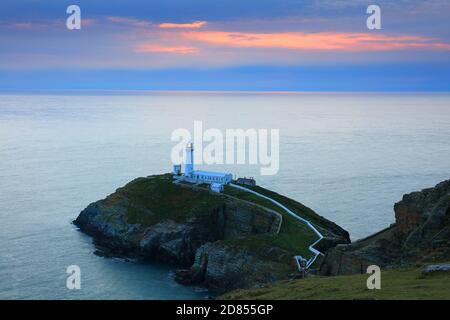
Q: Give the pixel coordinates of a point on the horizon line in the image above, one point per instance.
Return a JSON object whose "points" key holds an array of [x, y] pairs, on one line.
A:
{"points": [[211, 92]]}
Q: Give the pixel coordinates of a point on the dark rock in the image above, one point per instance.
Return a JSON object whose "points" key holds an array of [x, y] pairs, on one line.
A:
{"points": [[421, 233], [221, 268]]}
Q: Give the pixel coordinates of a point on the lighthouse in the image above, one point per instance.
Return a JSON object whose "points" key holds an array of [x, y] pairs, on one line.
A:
{"points": [[189, 165], [216, 180]]}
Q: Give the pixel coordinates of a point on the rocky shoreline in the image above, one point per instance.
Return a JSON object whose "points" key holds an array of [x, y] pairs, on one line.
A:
{"points": [[218, 241]]}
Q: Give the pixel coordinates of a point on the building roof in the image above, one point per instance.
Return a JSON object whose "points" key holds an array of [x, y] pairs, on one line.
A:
{"points": [[210, 173]]}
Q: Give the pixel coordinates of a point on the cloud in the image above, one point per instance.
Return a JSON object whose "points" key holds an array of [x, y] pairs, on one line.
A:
{"points": [[42, 25], [343, 41], [157, 48], [130, 21], [22, 25], [192, 25]]}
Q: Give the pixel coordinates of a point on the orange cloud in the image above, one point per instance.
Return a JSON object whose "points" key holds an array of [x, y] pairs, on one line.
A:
{"points": [[157, 48], [193, 25], [313, 41]]}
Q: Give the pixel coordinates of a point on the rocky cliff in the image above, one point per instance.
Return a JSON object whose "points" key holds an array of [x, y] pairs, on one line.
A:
{"points": [[421, 233], [222, 242]]}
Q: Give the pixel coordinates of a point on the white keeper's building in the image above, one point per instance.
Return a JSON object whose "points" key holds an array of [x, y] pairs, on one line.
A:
{"points": [[216, 180]]}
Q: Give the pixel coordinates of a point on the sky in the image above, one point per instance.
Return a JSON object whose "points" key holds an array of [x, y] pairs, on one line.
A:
{"points": [[284, 45]]}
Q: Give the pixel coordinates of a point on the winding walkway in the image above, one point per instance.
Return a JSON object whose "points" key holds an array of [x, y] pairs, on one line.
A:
{"points": [[309, 224]]}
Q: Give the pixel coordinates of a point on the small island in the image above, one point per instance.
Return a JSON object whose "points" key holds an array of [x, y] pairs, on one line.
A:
{"points": [[236, 238], [223, 241], [223, 238]]}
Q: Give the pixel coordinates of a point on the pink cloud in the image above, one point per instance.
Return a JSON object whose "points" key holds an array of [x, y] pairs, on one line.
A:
{"points": [[343, 41], [192, 25], [157, 48], [88, 22]]}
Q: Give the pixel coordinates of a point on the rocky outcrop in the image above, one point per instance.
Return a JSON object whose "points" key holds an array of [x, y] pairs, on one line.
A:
{"points": [[174, 242], [213, 236], [433, 229], [171, 241], [356, 257], [421, 233], [109, 228], [221, 267]]}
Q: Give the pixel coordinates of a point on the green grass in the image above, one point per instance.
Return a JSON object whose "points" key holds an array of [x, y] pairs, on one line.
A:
{"points": [[298, 208], [150, 200], [294, 236], [395, 284]]}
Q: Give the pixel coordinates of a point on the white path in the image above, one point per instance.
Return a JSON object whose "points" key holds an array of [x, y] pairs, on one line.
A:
{"points": [[311, 247]]}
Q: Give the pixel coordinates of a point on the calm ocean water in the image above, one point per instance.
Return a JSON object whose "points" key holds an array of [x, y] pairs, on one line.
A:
{"points": [[349, 157]]}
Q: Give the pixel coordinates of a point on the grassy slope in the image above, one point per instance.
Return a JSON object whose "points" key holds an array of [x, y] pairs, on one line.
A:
{"points": [[318, 221], [395, 284], [294, 236], [151, 200]]}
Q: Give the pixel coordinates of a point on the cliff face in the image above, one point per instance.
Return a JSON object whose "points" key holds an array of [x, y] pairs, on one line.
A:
{"points": [[421, 233], [225, 242], [178, 242], [221, 267], [168, 240], [423, 218]]}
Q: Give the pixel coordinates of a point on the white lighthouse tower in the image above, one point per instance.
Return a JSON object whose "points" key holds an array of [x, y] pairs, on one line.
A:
{"points": [[189, 165]]}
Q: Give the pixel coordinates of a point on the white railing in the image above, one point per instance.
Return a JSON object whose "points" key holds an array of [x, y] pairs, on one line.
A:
{"points": [[309, 224]]}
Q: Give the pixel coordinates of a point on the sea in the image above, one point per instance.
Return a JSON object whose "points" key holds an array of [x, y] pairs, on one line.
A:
{"points": [[348, 156]]}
